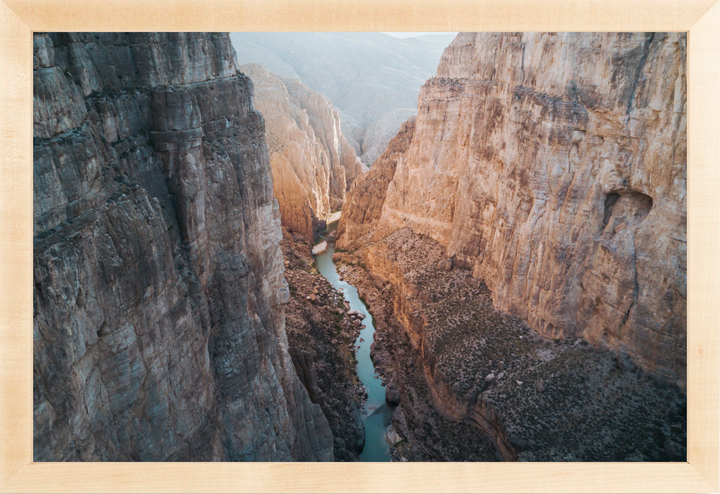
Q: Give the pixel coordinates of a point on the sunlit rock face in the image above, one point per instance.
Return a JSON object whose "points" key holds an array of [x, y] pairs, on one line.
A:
{"points": [[363, 211], [554, 167], [312, 163], [159, 326]]}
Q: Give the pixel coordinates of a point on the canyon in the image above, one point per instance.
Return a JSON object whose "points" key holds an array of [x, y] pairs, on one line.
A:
{"points": [[525, 240], [372, 79], [506, 282]]}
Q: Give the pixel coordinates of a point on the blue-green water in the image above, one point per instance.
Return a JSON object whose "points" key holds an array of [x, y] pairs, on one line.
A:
{"points": [[377, 413]]}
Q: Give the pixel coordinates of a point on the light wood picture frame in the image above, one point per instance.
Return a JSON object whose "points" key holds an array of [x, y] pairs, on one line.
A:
{"points": [[20, 18]]}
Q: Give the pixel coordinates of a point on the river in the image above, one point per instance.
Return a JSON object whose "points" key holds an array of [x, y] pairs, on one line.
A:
{"points": [[377, 412]]}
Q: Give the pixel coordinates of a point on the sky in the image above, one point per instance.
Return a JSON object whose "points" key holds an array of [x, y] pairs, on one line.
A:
{"points": [[411, 35]]}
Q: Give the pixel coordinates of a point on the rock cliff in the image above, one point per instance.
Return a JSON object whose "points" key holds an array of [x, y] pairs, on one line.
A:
{"points": [[159, 326], [312, 163], [553, 166], [367, 195]]}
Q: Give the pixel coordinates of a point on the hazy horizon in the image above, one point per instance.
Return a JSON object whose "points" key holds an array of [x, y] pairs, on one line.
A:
{"points": [[415, 35]]}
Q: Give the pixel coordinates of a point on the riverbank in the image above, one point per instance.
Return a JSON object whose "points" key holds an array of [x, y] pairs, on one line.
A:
{"points": [[320, 339], [457, 360]]}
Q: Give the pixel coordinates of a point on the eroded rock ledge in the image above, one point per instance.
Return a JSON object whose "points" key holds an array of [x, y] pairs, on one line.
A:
{"points": [[454, 357]]}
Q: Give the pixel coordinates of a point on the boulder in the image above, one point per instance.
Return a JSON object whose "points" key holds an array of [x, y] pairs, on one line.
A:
{"points": [[392, 394], [320, 248]]}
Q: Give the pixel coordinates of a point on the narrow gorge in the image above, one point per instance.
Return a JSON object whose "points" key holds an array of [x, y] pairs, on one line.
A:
{"points": [[507, 280], [312, 163]]}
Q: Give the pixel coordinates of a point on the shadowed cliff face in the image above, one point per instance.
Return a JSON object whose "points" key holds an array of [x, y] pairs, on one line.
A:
{"points": [[553, 166], [312, 163], [159, 329]]}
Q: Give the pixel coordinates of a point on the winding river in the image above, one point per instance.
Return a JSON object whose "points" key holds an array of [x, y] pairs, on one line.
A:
{"points": [[377, 412]]}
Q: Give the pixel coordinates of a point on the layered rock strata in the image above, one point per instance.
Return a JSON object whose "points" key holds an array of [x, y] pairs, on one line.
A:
{"points": [[553, 166], [463, 367], [312, 163], [159, 326]]}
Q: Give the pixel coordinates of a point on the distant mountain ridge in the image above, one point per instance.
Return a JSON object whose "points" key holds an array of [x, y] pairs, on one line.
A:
{"points": [[372, 79]]}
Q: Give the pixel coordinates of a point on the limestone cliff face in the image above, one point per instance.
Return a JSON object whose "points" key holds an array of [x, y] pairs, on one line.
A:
{"points": [[159, 329], [554, 167], [312, 163]]}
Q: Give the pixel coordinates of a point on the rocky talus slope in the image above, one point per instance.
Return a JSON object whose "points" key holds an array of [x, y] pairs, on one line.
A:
{"points": [[159, 320], [312, 163], [372, 79], [477, 384], [321, 335], [553, 166]]}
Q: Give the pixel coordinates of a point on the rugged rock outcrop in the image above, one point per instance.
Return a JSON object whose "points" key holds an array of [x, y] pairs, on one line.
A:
{"points": [[463, 367], [553, 166], [159, 326], [312, 163], [321, 335], [372, 79]]}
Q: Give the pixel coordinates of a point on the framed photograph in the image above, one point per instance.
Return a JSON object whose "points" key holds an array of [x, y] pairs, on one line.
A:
{"points": [[318, 246]]}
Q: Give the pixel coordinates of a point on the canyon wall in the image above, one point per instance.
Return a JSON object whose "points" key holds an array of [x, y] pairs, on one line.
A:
{"points": [[312, 163], [159, 326], [553, 166], [367, 195]]}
